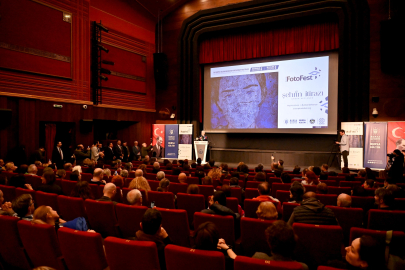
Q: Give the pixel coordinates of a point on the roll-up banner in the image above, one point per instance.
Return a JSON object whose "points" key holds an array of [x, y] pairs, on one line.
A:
{"points": [[185, 141], [354, 132], [396, 136], [158, 140], [172, 141], [375, 146]]}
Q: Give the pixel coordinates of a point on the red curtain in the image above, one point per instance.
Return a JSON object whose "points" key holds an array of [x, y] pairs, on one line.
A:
{"points": [[273, 42], [50, 132]]}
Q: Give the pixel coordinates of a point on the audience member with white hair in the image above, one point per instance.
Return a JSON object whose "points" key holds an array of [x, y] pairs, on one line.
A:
{"points": [[134, 197], [108, 193], [160, 175], [77, 168], [124, 173]]}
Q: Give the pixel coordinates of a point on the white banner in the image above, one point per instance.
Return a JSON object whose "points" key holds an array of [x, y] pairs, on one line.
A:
{"points": [[354, 131], [185, 141]]}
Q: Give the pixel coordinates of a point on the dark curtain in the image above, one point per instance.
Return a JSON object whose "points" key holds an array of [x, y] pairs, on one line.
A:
{"points": [[50, 132], [316, 37]]}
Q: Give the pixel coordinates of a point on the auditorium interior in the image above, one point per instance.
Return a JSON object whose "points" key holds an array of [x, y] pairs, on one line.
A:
{"points": [[55, 87]]}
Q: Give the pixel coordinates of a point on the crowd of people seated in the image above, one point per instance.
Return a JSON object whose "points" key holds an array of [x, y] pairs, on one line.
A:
{"points": [[305, 188]]}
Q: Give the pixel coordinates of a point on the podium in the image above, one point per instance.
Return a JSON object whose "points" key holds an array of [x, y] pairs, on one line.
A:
{"points": [[201, 148]]}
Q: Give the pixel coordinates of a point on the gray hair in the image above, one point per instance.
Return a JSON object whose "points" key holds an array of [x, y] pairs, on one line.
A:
{"points": [[160, 175], [32, 168], [134, 196], [124, 173], [156, 165]]}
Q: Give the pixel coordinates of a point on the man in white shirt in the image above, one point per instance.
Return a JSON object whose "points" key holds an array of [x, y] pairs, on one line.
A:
{"points": [[344, 147]]}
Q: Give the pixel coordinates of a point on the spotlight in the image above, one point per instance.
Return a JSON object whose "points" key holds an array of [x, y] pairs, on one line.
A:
{"points": [[102, 27], [111, 63], [105, 71], [101, 47], [104, 78]]}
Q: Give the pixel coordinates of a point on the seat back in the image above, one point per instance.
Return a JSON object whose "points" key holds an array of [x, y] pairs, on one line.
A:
{"points": [[339, 190], [129, 218], [49, 199], [88, 176], [348, 218], [186, 258], [11, 249], [253, 238], [251, 208], [21, 191], [68, 186], [243, 263], [154, 184], [206, 190], [386, 220], [232, 203], [400, 203], [327, 199], [224, 224], [191, 203], [70, 207], [95, 190], [193, 180], [34, 180], [252, 184], [237, 193], [318, 243], [78, 258], [41, 244], [363, 202], [288, 209], [125, 254], [351, 184], [8, 193], [175, 222], [329, 183], [178, 188], [283, 195], [162, 199], [279, 186], [251, 193], [101, 216]]}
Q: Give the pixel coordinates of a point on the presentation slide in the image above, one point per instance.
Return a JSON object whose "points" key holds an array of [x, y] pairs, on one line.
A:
{"points": [[279, 95]]}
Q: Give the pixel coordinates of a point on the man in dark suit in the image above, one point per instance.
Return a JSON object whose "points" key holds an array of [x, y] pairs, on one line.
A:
{"points": [[158, 148], [136, 150], [57, 155], [118, 150], [125, 152], [109, 154], [202, 137]]}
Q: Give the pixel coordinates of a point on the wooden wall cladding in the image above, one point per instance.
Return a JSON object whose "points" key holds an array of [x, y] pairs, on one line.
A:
{"points": [[74, 44]]}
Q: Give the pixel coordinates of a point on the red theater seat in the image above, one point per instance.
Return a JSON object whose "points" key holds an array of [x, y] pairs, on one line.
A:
{"points": [[193, 180], [68, 186], [351, 184], [49, 199], [243, 263], [41, 243], [129, 218], [225, 225], [327, 199], [232, 203], [11, 249], [318, 243], [187, 258], [101, 216], [206, 191], [90, 255], [253, 238], [400, 203], [70, 207], [251, 193], [252, 184], [8, 193], [279, 186], [363, 202], [330, 183], [128, 254], [162, 199], [178, 188], [175, 222], [348, 218], [283, 195], [33, 180], [288, 209], [21, 191], [386, 220], [88, 176], [153, 184], [251, 207], [339, 190], [191, 203]]}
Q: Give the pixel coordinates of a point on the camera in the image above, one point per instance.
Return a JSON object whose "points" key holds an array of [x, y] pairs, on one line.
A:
{"points": [[391, 155]]}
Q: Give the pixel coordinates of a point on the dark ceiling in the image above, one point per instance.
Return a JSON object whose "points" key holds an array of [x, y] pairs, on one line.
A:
{"points": [[160, 8]]}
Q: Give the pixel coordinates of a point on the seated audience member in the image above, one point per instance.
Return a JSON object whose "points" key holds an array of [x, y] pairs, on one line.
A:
{"points": [[182, 178], [176, 171], [207, 181], [46, 215], [77, 168], [259, 168], [61, 174], [75, 176], [267, 210], [211, 162], [281, 165], [98, 177], [186, 168], [264, 195], [324, 168], [82, 190], [200, 175], [156, 167], [359, 191], [369, 183], [134, 198], [169, 166], [124, 173], [142, 167], [193, 165], [215, 173], [344, 200], [282, 240], [128, 166], [152, 160], [311, 211], [345, 170], [2, 165], [384, 199], [225, 169], [317, 171], [275, 169], [310, 179], [296, 170], [10, 167], [323, 176], [140, 183], [160, 175], [322, 188], [260, 177], [304, 173], [50, 186], [206, 237], [219, 206], [67, 166], [108, 193], [362, 174], [206, 167], [18, 181], [152, 230], [199, 161], [23, 169], [193, 189], [164, 185], [138, 173], [242, 169], [37, 163], [23, 206], [5, 207], [32, 170], [297, 190], [118, 181], [285, 178], [106, 172]]}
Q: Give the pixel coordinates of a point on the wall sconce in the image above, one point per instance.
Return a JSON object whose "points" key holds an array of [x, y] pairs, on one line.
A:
{"points": [[375, 112], [67, 17]]}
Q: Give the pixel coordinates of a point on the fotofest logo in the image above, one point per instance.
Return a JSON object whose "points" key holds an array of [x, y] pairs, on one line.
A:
{"points": [[313, 75]]}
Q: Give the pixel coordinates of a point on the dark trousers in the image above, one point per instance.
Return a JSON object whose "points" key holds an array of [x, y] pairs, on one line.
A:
{"points": [[345, 154]]}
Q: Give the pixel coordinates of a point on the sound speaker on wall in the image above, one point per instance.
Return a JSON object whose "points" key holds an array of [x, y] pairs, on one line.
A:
{"points": [[86, 125], [160, 66], [392, 52], [5, 116]]}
